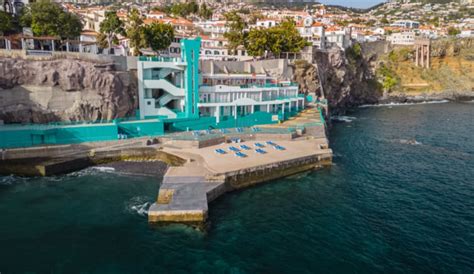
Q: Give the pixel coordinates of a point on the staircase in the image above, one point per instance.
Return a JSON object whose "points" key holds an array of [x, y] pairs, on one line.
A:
{"points": [[166, 99], [165, 85]]}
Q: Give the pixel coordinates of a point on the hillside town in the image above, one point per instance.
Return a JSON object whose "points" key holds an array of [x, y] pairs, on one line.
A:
{"points": [[323, 27]]}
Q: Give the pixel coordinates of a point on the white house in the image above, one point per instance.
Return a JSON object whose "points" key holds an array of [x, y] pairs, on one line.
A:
{"points": [[402, 38]]}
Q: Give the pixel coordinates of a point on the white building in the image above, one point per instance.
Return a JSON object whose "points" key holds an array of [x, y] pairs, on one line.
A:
{"points": [[467, 33], [312, 31], [338, 37], [406, 24], [402, 38], [180, 89]]}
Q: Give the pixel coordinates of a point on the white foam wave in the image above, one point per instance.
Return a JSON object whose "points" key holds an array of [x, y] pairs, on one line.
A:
{"points": [[8, 180], [104, 168], [344, 119], [138, 205], [412, 142], [406, 104]]}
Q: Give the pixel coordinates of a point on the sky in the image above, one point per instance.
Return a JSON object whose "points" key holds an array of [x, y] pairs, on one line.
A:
{"points": [[352, 3]]}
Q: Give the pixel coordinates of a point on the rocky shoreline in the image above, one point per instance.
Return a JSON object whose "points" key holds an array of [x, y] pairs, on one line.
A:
{"points": [[424, 97]]}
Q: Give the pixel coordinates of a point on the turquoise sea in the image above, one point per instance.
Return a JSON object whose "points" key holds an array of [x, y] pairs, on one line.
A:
{"points": [[399, 198]]}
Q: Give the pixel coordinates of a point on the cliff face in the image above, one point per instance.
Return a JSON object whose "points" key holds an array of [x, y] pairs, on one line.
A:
{"points": [[64, 90], [347, 79], [450, 76]]}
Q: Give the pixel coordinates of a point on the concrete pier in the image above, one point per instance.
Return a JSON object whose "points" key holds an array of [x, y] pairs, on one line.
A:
{"points": [[186, 191]]}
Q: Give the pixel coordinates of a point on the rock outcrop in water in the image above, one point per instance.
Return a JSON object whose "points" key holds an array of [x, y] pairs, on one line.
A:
{"points": [[64, 90]]}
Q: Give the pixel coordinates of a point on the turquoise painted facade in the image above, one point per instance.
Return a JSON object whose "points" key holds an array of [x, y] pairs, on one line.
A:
{"points": [[190, 55], [12, 136]]}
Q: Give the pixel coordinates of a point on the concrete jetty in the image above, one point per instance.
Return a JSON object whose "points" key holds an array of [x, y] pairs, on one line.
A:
{"points": [[187, 190]]}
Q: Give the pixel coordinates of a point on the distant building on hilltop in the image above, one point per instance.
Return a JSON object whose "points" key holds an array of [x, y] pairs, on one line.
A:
{"points": [[15, 6]]}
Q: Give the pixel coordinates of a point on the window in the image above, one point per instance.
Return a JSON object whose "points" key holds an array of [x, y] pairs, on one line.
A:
{"points": [[148, 103]]}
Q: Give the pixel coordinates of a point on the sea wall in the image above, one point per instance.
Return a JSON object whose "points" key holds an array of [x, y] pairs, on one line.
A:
{"points": [[65, 159]]}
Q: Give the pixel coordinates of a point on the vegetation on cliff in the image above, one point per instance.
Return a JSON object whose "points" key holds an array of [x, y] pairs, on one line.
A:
{"points": [[451, 70]]}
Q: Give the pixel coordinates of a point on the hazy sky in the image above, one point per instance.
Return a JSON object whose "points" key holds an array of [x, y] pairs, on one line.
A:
{"points": [[352, 3]]}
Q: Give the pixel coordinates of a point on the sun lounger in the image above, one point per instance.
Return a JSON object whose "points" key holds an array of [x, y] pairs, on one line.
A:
{"points": [[220, 151], [260, 151], [277, 147], [255, 129], [234, 149], [245, 147], [240, 154], [271, 143], [260, 145], [239, 129]]}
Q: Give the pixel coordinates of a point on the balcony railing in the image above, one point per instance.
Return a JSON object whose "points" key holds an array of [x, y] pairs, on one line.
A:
{"points": [[160, 59]]}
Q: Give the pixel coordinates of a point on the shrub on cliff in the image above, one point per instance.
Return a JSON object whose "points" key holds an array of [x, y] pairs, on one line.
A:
{"points": [[387, 77]]}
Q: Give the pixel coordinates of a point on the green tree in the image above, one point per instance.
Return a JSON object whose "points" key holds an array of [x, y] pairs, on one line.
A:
{"points": [[47, 18], [183, 9], [235, 35], [111, 27], [25, 19], [71, 25], [258, 42], [452, 31], [6, 24], [205, 12], [277, 39], [159, 36], [254, 16], [135, 31]]}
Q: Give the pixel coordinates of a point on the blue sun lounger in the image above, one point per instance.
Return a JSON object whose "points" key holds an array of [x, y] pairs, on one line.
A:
{"points": [[223, 130], [271, 143], [220, 151], [255, 129], [277, 147], [245, 147], [239, 129], [260, 145], [260, 151], [196, 133], [240, 154], [234, 149]]}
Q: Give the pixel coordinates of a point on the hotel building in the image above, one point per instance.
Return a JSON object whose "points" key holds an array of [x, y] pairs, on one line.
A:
{"points": [[178, 90]]}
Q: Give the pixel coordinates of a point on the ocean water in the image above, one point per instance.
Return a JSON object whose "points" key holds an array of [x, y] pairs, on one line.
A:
{"points": [[399, 198]]}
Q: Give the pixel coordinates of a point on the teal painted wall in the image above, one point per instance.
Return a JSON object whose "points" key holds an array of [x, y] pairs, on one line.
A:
{"points": [[144, 128], [25, 136], [190, 54], [12, 136], [257, 118]]}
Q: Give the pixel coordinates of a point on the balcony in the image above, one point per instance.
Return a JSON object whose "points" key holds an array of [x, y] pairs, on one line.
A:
{"points": [[160, 59]]}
